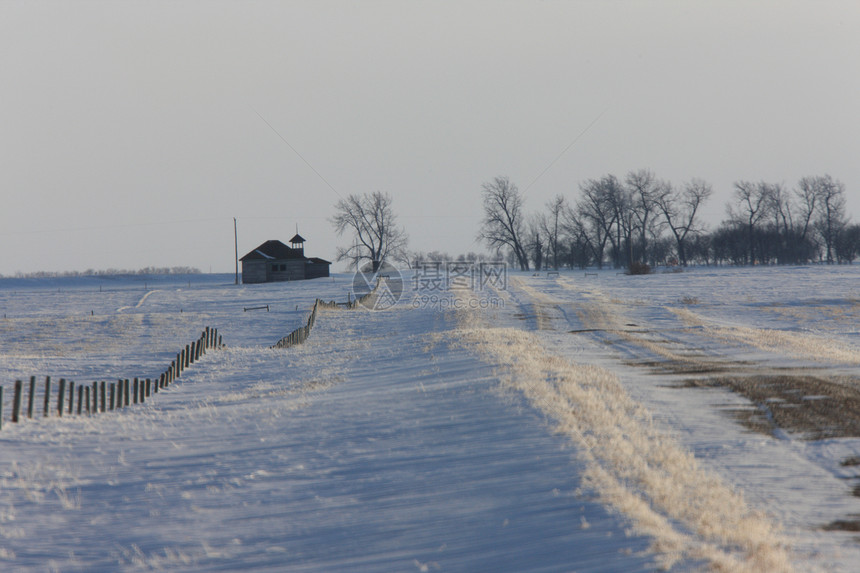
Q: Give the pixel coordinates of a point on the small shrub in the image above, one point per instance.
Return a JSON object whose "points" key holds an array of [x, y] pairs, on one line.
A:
{"points": [[690, 300], [636, 268]]}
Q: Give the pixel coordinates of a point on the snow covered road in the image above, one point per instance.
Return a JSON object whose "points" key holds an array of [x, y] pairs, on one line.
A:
{"points": [[375, 446], [601, 423]]}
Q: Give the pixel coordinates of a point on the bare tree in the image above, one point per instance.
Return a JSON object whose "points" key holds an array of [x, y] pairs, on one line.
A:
{"points": [[377, 237], [807, 196], [535, 246], [753, 200], [621, 200], [831, 217], [644, 187], [597, 211], [580, 250], [848, 244], [504, 219], [616, 203], [679, 208], [549, 224], [780, 208]]}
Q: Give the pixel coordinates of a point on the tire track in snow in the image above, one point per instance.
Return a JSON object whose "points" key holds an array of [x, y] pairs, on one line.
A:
{"points": [[688, 511], [536, 308], [601, 318]]}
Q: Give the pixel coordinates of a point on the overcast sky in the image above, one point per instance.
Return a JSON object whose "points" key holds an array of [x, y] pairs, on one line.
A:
{"points": [[131, 133]]}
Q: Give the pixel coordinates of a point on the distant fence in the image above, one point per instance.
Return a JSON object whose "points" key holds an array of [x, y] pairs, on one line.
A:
{"points": [[299, 335], [99, 397]]}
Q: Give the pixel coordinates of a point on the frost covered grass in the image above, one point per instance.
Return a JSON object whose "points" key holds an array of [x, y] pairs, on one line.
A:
{"points": [[638, 469]]}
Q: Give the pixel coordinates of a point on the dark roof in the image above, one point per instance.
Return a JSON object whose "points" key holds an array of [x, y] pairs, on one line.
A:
{"points": [[271, 250], [297, 239], [318, 261]]}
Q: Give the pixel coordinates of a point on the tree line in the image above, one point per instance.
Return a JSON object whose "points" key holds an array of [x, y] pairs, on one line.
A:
{"points": [[642, 221], [179, 270], [635, 222]]}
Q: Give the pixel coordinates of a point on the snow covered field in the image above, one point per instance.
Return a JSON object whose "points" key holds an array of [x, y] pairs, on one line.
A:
{"points": [[695, 420]]}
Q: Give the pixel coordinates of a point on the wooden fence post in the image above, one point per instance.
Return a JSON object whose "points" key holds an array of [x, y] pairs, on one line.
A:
{"points": [[87, 397], [80, 398], [126, 391], [148, 387], [119, 393], [104, 400], [112, 395], [16, 402], [32, 396], [71, 397], [61, 397], [135, 390], [47, 396], [95, 407]]}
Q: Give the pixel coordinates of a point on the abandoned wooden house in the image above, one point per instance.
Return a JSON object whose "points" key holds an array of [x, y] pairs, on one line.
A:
{"points": [[274, 261]]}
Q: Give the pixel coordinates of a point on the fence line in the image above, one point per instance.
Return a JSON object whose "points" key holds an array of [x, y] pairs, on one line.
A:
{"points": [[299, 335], [91, 400]]}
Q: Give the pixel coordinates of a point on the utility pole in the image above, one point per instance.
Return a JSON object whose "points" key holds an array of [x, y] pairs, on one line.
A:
{"points": [[236, 249]]}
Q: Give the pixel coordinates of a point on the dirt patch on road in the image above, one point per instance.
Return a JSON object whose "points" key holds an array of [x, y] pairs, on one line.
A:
{"points": [[810, 406], [852, 525]]}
